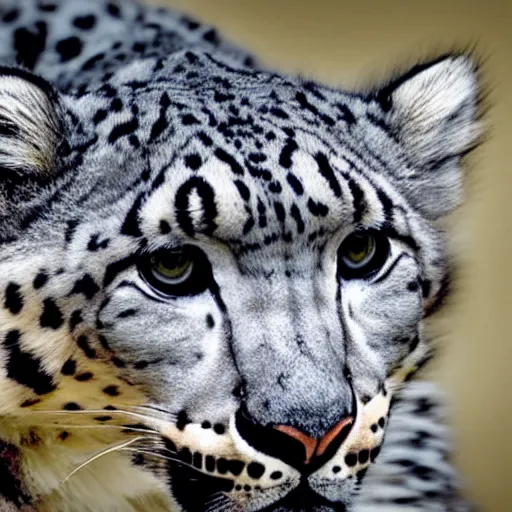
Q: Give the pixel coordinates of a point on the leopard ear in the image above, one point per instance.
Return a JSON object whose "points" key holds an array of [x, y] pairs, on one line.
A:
{"points": [[432, 112], [29, 126]]}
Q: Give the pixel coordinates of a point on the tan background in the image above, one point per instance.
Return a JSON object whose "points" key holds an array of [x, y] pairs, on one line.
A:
{"points": [[343, 42]]}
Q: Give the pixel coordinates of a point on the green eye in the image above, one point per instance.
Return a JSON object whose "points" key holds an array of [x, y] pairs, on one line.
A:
{"points": [[176, 272], [362, 253], [172, 267], [358, 249]]}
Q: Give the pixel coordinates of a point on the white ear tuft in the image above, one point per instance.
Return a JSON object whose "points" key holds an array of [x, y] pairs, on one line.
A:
{"points": [[435, 110], [29, 124], [432, 111]]}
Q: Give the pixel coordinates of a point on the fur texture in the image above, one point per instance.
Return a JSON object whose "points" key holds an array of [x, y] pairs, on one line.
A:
{"points": [[182, 327]]}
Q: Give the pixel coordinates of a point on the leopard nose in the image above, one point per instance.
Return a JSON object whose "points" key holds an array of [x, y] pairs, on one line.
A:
{"points": [[292, 445], [318, 447]]}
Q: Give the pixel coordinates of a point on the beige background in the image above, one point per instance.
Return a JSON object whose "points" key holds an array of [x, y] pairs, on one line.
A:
{"points": [[343, 42]]}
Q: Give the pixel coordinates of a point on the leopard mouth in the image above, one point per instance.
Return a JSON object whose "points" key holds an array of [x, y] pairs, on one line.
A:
{"points": [[196, 492]]}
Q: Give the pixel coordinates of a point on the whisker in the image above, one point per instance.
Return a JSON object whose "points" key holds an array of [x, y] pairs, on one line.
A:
{"points": [[102, 426], [102, 453], [91, 411], [159, 455]]}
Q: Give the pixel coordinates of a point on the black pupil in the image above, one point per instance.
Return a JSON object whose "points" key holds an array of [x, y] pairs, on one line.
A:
{"points": [[358, 244]]}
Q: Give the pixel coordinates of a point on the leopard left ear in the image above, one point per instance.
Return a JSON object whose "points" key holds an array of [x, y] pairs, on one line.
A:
{"points": [[30, 126], [432, 113]]}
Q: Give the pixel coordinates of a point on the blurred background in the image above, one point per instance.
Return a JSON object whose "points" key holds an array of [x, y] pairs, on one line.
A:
{"points": [[352, 43]]}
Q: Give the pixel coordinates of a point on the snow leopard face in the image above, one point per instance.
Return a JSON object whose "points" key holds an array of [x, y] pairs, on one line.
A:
{"points": [[223, 271]]}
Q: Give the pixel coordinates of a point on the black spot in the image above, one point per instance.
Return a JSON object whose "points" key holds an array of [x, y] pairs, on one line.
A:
{"points": [[255, 470], [69, 48], [222, 466], [85, 22], [182, 420], [244, 192], [164, 227], [111, 390], [209, 463], [328, 173], [317, 209], [83, 377], [185, 455], [95, 244], [25, 368], [11, 15], [426, 286], [276, 475], [193, 161], [346, 113], [285, 158], [63, 435], [382, 422], [119, 363], [83, 343], [116, 105], [138, 47], [113, 269], [13, 299], [113, 10], [103, 418], [30, 43], [29, 403], [358, 200], [110, 408], [140, 365], [336, 469], [278, 112], [40, 280], [236, 168], [210, 322], [11, 489], [280, 212], [71, 406], [295, 213], [206, 425], [197, 460], [100, 115], [69, 367], [75, 319], [413, 286], [130, 225], [374, 453], [86, 286], [204, 190], [47, 7], [374, 428], [127, 313], [212, 37], [236, 467], [363, 456], [123, 130], [295, 183], [219, 428], [189, 119], [351, 459], [361, 474], [51, 316]]}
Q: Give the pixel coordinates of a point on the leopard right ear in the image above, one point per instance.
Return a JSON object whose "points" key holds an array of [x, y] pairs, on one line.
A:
{"points": [[30, 126]]}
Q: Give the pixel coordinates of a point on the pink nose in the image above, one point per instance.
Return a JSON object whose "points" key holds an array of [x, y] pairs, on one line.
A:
{"points": [[316, 447]]}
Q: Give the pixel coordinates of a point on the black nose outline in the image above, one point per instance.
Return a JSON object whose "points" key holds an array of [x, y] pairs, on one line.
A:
{"points": [[269, 440]]}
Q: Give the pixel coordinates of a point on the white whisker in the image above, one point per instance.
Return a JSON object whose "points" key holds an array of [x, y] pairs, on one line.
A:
{"points": [[102, 453]]}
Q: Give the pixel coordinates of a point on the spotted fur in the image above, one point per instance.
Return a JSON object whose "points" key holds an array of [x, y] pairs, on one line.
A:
{"points": [[270, 383]]}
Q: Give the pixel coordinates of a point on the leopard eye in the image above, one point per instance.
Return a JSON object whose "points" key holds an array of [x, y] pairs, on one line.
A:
{"points": [[178, 271], [361, 254]]}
